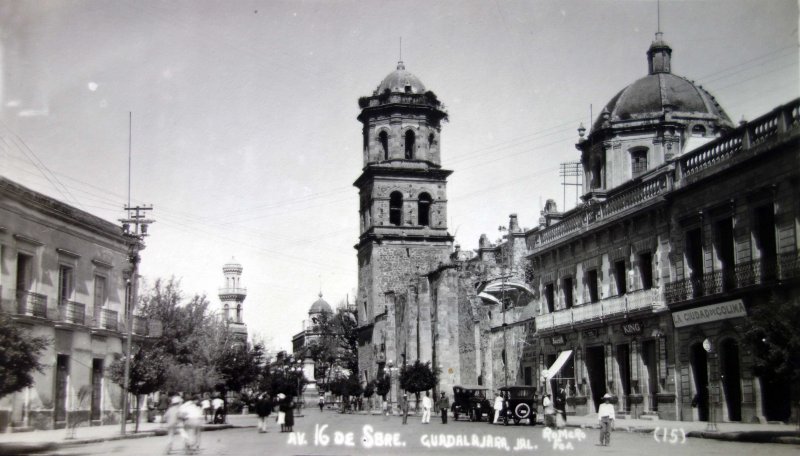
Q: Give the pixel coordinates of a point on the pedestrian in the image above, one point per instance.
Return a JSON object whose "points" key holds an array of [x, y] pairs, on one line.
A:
{"points": [[172, 421], [281, 411], [404, 407], [218, 408], [498, 406], [289, 420], [205, 405], [549, 411], [561, 406], [263, 409], [444, 405], [427, 404], [191, 414], [321, 402], [605, 413]]}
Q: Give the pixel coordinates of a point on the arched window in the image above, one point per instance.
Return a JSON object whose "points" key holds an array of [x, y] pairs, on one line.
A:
{"points": [[698, 130], [409, 144], [431, 138], [638, 162], [383, 137], [424, 209], [396, 208]]}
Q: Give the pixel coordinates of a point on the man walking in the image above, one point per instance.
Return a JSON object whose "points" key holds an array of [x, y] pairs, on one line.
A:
{"points": [[498, 406], [443, 404], [561, 407], [605, 413], [404, 407], [427, 404]]}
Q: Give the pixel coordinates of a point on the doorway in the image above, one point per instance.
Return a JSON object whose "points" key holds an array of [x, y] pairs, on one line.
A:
{"points": [[731, 378], [62, 377], [624, 366], [651, 379], [699, 362], [97, 389], [596, 368]]}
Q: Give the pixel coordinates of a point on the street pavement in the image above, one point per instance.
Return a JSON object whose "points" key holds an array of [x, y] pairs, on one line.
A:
{"points": [[332, 433]]}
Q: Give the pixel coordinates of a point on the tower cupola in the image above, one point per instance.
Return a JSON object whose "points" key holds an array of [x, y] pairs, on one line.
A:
{"points": [[659, 55]]}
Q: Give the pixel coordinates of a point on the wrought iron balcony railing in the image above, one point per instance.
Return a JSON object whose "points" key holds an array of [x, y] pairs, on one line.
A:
{"points": [[29, 303], [614, 306], [109, 319], [139, 325], [72, 312]]}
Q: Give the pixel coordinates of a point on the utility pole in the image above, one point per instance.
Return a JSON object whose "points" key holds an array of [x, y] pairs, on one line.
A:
{"points": [[134, 228]]}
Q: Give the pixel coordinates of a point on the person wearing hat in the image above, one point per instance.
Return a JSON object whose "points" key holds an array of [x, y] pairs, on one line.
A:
{"points": [[443, 403], [280, 399], [605, 413], [171, 419], [549, 411], [498, 406], [427, 405], [404, 407]]}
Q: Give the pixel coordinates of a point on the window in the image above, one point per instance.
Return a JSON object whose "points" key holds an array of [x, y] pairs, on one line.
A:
{"points": [[549, 297], [424, 209], [619, 277], [764, 234], [698, 130], [591, 281], [638, 162], [99, 292], [24, 272], [410, 144], [64, 284], [694, 258], [723, 237], [646, 270], [383, 138], [431, 138], [566, 284], [396, 208]]}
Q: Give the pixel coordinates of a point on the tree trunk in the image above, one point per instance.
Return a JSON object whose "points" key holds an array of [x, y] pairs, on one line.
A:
{"points": [[136, 415]]}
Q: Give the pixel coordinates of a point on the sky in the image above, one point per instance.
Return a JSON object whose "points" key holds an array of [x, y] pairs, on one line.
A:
{"points": [[243, 131]]}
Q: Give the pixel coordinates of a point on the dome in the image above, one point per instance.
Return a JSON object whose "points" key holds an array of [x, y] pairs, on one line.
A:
{"points": [[401, 81], [651, 96], [320, 306]]}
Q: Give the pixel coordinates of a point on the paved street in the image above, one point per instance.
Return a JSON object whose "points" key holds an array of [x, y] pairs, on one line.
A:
{"points": [[338, 434]]}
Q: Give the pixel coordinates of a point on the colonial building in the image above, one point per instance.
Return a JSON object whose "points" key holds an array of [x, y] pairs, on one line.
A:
{"points": [[64, 275], [687, 225], [232, 296]]}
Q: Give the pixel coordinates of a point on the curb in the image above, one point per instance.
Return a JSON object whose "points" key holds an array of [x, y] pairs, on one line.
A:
{"points": [[22, 448]]}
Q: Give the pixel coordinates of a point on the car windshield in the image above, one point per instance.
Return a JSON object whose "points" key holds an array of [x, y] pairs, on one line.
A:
{"points": [[522, 393]]}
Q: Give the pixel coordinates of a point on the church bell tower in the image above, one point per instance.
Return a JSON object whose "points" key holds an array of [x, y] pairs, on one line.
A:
{"points": [[403, 205]]}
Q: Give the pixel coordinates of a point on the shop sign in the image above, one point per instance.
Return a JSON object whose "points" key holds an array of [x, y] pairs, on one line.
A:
{"points": [[591, 333], [632, 328], [706, 314], [558, 339]]}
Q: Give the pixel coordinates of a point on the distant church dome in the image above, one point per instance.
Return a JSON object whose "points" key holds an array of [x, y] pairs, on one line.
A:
{"points": [[320, 306], [660, 91], [232, 266], [401, 81]]}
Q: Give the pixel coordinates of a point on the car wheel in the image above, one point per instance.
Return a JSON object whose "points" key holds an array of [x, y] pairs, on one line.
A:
{"points": [[522, 410]]}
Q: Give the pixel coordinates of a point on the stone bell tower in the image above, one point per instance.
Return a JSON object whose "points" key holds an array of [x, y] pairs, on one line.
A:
{"points": [[232, 298], [403, 207]]}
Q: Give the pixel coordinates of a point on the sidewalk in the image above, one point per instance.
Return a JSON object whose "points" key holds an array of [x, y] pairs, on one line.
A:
{"points": [[45, 440]]}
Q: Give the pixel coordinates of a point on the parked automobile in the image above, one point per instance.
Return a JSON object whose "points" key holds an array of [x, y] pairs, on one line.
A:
{"points": [[521, 404], [470, 401]]}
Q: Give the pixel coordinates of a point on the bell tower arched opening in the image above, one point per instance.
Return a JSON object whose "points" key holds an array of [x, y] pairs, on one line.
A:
{"points": [[424, 209], [396, 208], [410, 140]]}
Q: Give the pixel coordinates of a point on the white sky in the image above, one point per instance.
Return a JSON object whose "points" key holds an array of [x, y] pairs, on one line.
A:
{"points": [[245, 136]]}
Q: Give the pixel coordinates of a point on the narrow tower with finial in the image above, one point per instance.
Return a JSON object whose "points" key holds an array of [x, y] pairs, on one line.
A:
{"points": [[232, 298]]}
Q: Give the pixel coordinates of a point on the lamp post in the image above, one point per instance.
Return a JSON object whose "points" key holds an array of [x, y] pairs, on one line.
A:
{"points": [[712, 422], [392, 386]]}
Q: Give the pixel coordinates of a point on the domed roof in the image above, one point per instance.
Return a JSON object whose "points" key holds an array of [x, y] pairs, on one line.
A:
{"points": [[320, 306], [400, 80], [232, 266], [651, 96]]}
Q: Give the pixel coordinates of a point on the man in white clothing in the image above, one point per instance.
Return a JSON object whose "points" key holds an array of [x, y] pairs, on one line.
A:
{"points": [[427, 405], [605, 413], [498, 406]]}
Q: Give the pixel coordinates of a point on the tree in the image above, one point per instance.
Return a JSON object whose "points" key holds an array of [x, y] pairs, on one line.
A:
{"points": [[418, 377], [239, 365], [147, 372], [19, 357], [334, 343], [382, 385]]}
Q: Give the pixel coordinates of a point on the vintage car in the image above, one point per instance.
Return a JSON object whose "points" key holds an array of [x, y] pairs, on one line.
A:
{"points": [[470, 401], [521, 404]]}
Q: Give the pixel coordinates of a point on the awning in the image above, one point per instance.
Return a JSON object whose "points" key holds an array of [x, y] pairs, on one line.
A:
{"points": [[489, 298], [497, 286], [562, 358]]}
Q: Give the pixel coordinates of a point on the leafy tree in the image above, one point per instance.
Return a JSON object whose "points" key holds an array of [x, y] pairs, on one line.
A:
{"points": [[334, 344], [418, 377], [147, 372], [369, 389], [382, 385], [19, 356], [239, 365]]}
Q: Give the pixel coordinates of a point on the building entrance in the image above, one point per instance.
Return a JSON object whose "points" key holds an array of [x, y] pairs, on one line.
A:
{"points": [[699, 363], [650, 380], [62, 373], [596, 368], [731, 378], [97, 389], [624, 366]]}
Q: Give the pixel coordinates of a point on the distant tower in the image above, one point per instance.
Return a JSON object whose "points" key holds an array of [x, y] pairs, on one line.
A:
{"points": [[232, 297]]}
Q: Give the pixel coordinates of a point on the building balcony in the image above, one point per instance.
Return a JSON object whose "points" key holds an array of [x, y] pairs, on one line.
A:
{"points": [[106, 319], [612, 307], [238, 291], [744, 275], [32, 304], [72, 312], [140, 326]]}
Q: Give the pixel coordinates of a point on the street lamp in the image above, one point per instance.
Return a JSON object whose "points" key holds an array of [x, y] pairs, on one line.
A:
{"points": [[712, 422], [392, 386]]}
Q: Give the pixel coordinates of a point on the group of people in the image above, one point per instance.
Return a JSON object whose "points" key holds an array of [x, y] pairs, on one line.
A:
{"points": [[184, 418], [265, 405], [553, 408]]}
